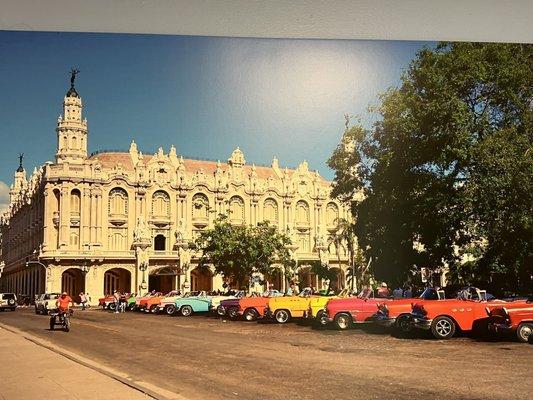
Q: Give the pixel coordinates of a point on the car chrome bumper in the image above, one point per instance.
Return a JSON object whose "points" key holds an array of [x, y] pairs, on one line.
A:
{"points": [[383, 320], [499, 328]]}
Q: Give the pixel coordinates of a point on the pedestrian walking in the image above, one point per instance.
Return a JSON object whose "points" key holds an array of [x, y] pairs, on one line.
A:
{"points": [[122, 302], [83, 300]]}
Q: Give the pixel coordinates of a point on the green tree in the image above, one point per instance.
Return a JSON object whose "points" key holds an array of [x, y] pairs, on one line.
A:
{"points": [[448, 166], [238, 252]]}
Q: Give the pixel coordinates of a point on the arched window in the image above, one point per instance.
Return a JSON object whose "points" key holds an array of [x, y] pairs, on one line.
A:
{"points": [[75, 202], [236, 208], [332, 215], [302, 213], [161, 204], [118, 202], [270, 211], [200, 207]]}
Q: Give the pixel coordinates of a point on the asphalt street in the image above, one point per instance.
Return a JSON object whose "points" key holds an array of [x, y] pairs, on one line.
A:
{"points": [[205, 357]]}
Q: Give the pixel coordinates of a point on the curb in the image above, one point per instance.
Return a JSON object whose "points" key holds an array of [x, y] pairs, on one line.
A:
{"points": [[153, 392]]}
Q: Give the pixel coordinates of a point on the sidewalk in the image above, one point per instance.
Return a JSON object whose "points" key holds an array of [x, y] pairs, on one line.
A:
{"points": [[32, 372]]}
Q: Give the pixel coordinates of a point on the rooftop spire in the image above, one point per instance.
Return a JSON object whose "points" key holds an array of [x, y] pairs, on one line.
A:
{"points": [[72, 91], [20, 168]]}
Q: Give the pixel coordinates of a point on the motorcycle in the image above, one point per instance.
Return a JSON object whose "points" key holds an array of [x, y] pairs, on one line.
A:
{"points": [[63, 317]]}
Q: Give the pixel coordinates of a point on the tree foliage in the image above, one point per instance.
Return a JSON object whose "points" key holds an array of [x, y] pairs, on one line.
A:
{"points": [[448, 166], [237, 251]]}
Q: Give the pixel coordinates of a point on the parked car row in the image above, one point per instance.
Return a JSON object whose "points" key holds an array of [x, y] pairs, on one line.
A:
{"points": [[470, 310]]}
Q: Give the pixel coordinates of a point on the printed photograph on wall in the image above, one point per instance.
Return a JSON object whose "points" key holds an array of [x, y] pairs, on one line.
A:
{"points": [[270, 218]]}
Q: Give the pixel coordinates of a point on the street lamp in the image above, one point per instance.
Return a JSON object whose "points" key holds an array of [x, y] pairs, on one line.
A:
{"points": [[143, 267]]}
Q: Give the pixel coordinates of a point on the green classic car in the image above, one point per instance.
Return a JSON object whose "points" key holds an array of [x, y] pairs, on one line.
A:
{"points": [[187, 305]]}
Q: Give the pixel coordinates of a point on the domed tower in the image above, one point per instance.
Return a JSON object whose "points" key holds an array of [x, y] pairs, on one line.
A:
{"points": [[71, 128], [19, 182]]}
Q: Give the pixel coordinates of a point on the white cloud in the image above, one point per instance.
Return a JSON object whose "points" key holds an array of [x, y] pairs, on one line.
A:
{"points": [[4, 197]]}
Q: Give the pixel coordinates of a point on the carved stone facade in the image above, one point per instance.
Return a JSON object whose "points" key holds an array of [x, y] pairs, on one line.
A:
{"points": [[124, 220]]}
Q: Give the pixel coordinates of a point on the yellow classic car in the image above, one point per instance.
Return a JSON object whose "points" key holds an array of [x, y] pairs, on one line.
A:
{"points": [[282, 309], [317, 304]]}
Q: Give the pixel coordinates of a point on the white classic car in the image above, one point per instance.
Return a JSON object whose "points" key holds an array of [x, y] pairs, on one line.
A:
{"points": [[46, 302]]}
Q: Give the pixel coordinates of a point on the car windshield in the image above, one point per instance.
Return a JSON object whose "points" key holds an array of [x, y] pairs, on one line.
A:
{"points": [[9, 296], [429, 294]]}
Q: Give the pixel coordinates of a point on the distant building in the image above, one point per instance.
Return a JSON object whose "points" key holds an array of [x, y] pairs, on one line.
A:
{"points": [[122, 220]]}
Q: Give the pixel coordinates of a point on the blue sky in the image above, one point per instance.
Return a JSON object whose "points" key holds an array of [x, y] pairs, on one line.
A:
{"points": [[205, 95]]}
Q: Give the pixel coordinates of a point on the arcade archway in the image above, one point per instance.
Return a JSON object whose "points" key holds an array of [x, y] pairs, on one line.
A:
{"points": [[201, 279], [117, 279], [307, 278], [73, 282], [164, 279]]}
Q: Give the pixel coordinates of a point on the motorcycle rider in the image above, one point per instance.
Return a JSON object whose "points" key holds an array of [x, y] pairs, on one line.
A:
{"points": [[63, 304]]}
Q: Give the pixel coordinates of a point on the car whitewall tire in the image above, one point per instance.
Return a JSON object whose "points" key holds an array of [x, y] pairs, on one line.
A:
{"points": [[524, 331]]}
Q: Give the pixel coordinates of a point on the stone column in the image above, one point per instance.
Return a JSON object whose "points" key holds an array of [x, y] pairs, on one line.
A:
{"points": [[99, 219], [85, 235], [64, 217], [92, 227]]}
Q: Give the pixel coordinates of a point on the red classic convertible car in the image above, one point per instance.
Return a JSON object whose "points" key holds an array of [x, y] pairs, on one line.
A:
{"points": [[466, 312], [508, 319], [343, 313]]}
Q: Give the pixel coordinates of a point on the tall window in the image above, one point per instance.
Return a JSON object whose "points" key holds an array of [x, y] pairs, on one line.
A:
{"points": [[118, 202], [332, 215], [302, 213], [75, 202], [236, 207], [200, 206], [270, 211], [161, 204]]}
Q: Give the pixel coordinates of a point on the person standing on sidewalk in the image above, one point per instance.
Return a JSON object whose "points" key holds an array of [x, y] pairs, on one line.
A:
{"points": [[116, 296], [83, 300]]}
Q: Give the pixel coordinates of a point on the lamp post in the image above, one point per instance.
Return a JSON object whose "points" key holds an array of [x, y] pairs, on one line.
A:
{"points": [[183, 246], [143, 267], [29, 262]]}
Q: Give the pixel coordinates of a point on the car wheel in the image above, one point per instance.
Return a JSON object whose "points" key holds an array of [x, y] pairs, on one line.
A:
{"points": [[343, 321], [524, 332], [221, 311], [233, 312], [170, 309], [282, 316], [250, 314], [443, 327], [112, 306], [153, 308], [186, 311], [403, 324]]}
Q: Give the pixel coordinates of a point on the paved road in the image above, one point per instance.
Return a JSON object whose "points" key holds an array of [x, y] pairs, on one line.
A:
{"points": [[204, 357]]}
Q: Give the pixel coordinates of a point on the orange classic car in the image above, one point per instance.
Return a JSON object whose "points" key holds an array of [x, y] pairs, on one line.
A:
{"points": [[252, 308], [513, 319], [467, 312], [396, 313]]}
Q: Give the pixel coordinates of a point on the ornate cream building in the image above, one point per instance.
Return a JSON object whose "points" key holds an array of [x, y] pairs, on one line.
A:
{"points": [[124, 220]]}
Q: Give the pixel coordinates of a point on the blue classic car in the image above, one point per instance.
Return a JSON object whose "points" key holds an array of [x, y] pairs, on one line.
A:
{"points": [[189, 304]]}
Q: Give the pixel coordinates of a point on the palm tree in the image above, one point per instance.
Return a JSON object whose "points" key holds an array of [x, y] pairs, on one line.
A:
{"points": [[344, 234]]}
